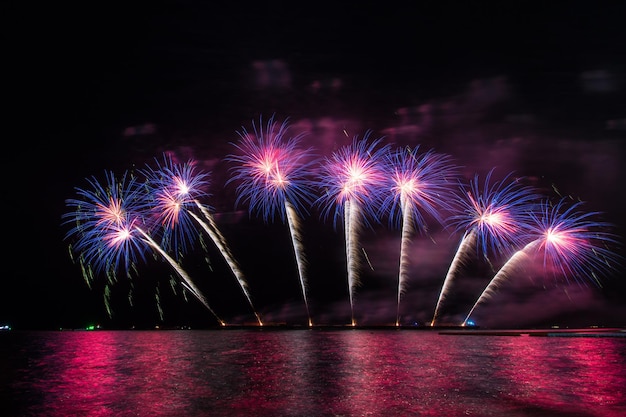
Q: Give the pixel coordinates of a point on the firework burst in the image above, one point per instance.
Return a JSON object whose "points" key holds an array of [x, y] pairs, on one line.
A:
{"points": [[271, 169], [174, 189], [104, 220]]}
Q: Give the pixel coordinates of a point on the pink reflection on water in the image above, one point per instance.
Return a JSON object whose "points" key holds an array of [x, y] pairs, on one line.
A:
{"points": [[565, 374], [393, 373], [84, 375], [98, 375], [279, 375], [372, 370], [594, 363]]}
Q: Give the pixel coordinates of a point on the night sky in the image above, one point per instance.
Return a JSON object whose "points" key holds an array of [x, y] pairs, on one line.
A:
{"points": [[535, 88]]}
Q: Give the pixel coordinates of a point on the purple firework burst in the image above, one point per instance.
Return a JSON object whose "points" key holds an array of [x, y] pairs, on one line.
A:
{"points": [[497, 212], [105, 220], [419, 183], [175, 190], [571, 243], [356, 174], [272, 170]]}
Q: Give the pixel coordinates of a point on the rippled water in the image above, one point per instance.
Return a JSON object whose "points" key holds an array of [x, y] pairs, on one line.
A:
{"points": [[308, 373]]}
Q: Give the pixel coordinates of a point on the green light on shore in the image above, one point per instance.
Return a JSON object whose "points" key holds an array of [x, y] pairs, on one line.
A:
{"points": [[90, 327]]}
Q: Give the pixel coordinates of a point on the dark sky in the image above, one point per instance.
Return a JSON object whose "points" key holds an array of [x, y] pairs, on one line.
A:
{"points": [[534, 87]]}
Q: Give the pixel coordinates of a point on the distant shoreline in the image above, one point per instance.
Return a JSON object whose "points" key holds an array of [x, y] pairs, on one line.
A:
{"points": [[584, 332], [442, 330]]}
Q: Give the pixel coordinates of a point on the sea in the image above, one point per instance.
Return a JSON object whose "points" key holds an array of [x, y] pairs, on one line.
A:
{"points": [[311, 372]]}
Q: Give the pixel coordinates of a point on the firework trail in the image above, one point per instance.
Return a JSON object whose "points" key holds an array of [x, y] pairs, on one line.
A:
{"points": [[187, 281], [511, 265], [176, 188], [461, 256], [569, 243], [419, 184], [494, 218], [293, 220], [352, 226], [107, 222], [271, 171], [350, 180], [219, 241]]}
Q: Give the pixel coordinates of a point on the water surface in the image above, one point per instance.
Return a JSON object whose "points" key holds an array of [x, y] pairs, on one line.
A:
{"points": [[308, 372]]}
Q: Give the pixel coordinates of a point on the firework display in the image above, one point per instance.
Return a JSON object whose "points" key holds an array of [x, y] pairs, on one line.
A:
{"points": [[163, 210]]}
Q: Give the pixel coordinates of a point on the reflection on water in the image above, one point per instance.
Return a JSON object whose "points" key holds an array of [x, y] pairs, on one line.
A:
{"points": [[308, 373]]}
